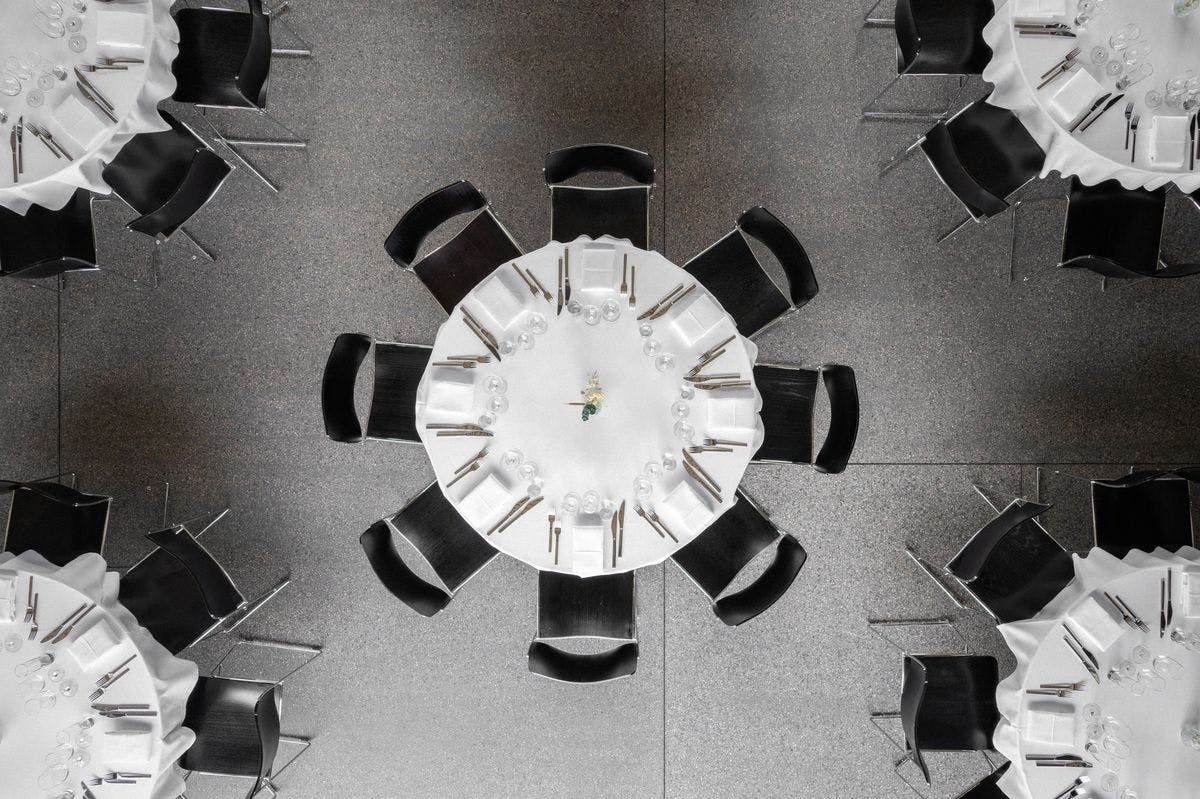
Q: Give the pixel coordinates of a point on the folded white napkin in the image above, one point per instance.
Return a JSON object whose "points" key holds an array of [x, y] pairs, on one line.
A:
{"points": [[1075, 97], [1039, 10], [1097, 624], [485, 501], [599, 269], [695, 316], [451, 390], [501, 298], [128, 749], [587, 545], [1168, 140], [119, 27], [730, 411], [1190, 589], [93, 644], [82, 123], [1049, 723], [8, 595], [688, 506]]}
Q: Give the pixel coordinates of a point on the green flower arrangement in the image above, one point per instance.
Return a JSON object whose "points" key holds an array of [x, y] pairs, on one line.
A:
{"points": [[593, 395]]}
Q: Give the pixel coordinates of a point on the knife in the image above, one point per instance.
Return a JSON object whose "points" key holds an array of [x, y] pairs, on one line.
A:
{"points": [[621, 543], [1111, 103], [1192, 144], [614, 541], [1095, 105], [560, 289], [1170, 600], [95, 101], [1162, 608], [100, 97], [21, 145]]}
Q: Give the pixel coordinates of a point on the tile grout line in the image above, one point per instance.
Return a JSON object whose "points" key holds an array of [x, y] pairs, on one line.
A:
{"points": [[663, 200]]}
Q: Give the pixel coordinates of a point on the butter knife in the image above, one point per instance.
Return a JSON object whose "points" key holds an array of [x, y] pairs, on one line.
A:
{"points": [[621, 542], [614, 541]]}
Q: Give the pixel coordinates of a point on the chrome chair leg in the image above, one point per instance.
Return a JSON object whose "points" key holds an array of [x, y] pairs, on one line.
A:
{"points": [[870, 21], [877, 626], [900, 158], [957, 229], [235, 619]]}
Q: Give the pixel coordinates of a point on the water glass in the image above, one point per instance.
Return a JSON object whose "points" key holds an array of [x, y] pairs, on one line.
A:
{"points": [[669, 461], [1099, 55], [610, 310], [525, 340], [507, 346], [1125, 35], [1168, 667], [570, 504], [664, 362], [591, 315], [497, 404], [1153, 681], [1134, 74], [687, 391], [652, 347], [495, 384], [591, 501], [13, 642], [684, 431], [487, 419], [645, 330], [1091, 712], [653, 470], [680, 409], [511, 459], [527, 470], [25, 668], [1102, 756], [642, 487]]}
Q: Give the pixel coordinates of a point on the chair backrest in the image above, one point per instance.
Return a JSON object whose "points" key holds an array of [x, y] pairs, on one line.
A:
{"points": [[45, 243], [237, 724], [557, 664], [398, 371], [166, 177], [1143, 510], [1113, 231], [1012, 566], [943, 37], [178, 592], [988, 787], [717, 556], [948, 703], [452, 270], [256, 67], [622, 211], [732, 273], [54, 520], [983, 154], [788, 394], [586, 607], [396, 576], [450, 545], [842, 389], [337, 387]]}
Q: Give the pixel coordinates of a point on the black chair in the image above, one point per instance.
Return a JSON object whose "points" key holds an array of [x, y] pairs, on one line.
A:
{"points": [[166, 177], [732, 273], [585, 607], [46, 243], [622, 211], [1012, 566], [224, 61], [398, 370], [948, 704], [237, 727], [449, 545], [182, 595], [452, 270], [788, 394], [719, 554], [1144, 510], [933, 37], [54, 520], [1113, 231], [988, 787], [983, 154]]}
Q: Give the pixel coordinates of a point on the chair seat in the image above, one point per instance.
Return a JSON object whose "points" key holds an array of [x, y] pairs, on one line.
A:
{"points": [[44, 243], [212, 48], [618, 212]]}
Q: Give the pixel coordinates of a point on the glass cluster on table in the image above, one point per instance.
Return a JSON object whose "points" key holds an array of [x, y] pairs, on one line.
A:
{"points": [[31, 71]]}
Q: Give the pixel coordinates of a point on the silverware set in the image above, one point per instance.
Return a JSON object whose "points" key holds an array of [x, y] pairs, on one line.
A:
{"points": [[471, 358], [108, 682], [1193, 127], [669, 299], [1166, 605], [722, 384], [618, 533], [651, 518], [1095, 112], [481, 333], [16, 143], [116, 778], [118, 711], [628, 287], [1080, 651], [1133, 129], [720, 442], [31, 609], [1043, 29], [707, 357], [1130, 618], [461, 364], [64, 628], [1073, 790], [701, 477], [535, 286], [446, 430], [558, 311], [1065, 65], [1062, 761], [696, 449], [93, 95], [519, 509]]}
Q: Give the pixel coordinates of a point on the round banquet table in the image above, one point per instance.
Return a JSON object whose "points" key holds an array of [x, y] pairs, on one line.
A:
{"points": [[52, 738], [1157, 763], [42, 44], [1098, 153], [635, 440]]}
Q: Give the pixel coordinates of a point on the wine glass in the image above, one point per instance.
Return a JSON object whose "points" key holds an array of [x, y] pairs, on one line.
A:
{"points": [[1124, 35], [1168, 667], [1134, 74]]}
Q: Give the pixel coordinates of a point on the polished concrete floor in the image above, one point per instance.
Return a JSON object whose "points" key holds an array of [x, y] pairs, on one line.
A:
{"points": [[969, 374]]}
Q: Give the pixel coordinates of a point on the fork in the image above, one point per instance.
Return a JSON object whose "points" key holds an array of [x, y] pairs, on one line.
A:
{"points": [[714, 442], [33, 629], [1128, 117]]}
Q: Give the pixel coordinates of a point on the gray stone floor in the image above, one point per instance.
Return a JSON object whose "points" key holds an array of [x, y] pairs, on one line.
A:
{"points": [[210, 382]]}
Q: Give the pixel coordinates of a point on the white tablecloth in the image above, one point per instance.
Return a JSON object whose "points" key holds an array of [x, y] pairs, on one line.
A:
{"points": [[606, 453], [140, 30], [1160, 766], [107, 636], [1099, 153]]}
